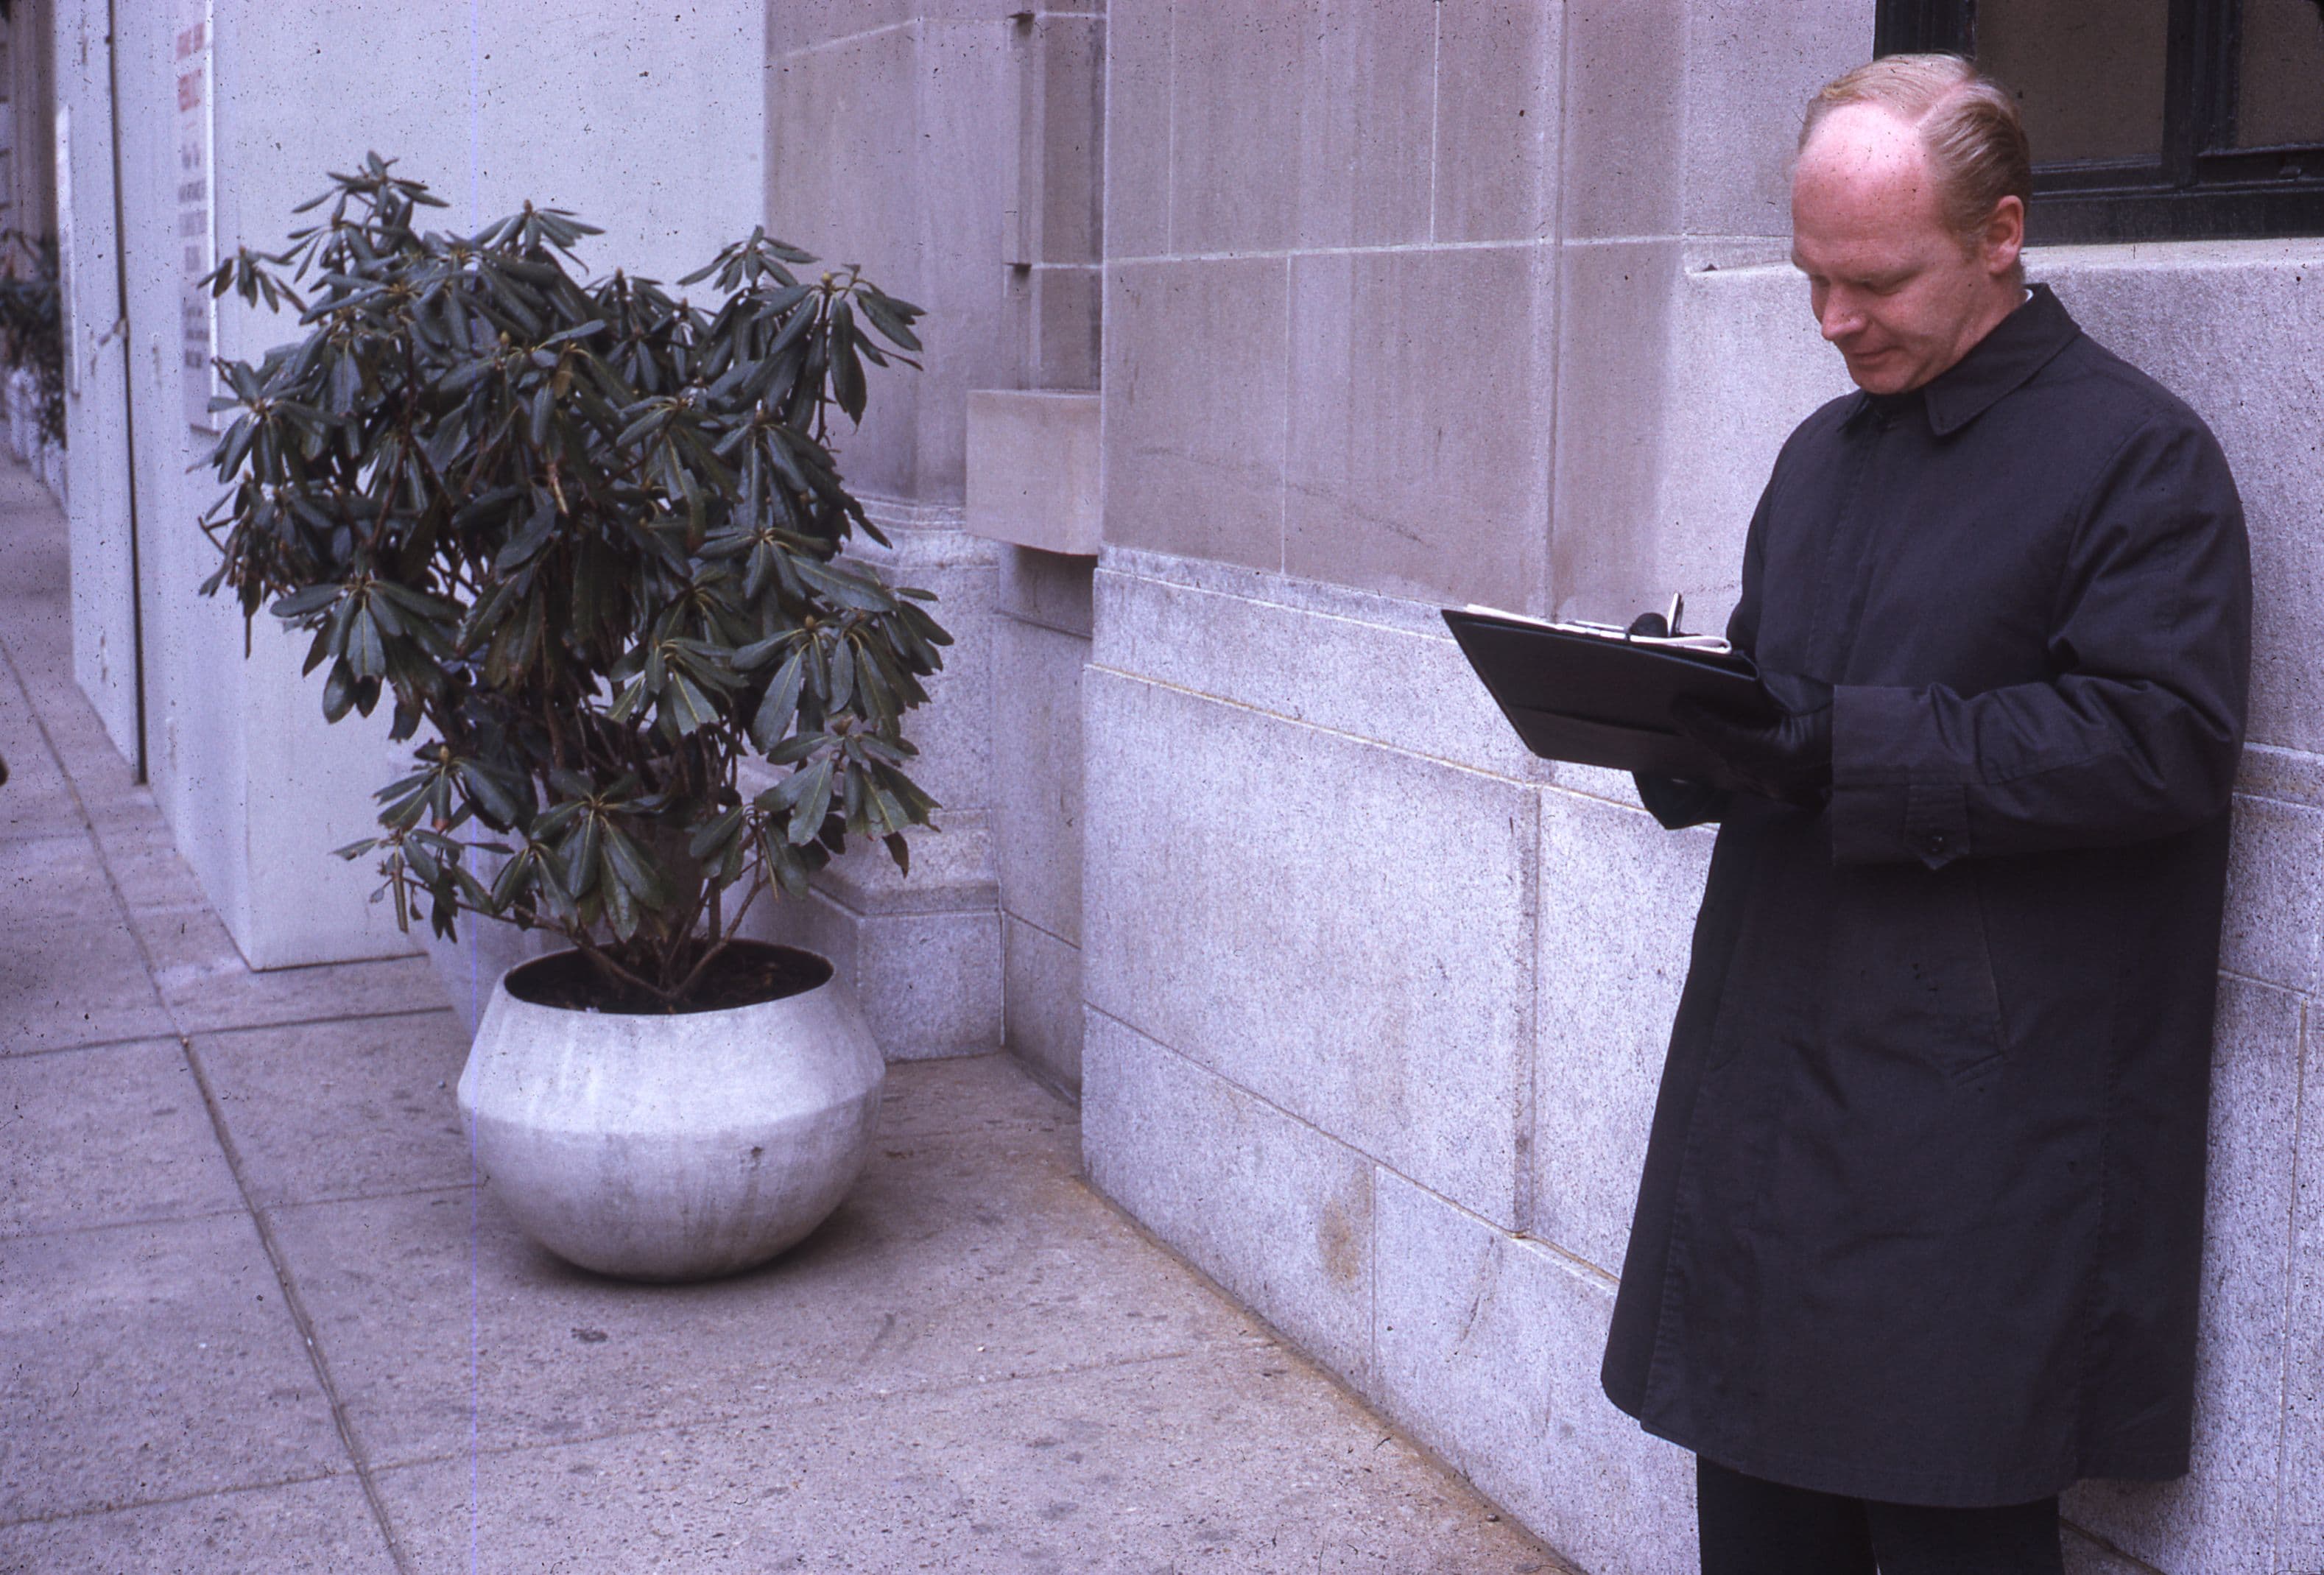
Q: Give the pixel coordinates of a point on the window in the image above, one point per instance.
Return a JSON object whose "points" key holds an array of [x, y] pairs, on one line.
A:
{"points": [[2150, 119]]}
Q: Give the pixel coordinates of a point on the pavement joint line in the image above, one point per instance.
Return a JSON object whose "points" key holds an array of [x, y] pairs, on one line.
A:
{"points": [[127, 1042], [1298, 1354], [126, 1505], [295, 1304], [293, 1205], [788, 1405], [137, 1223], [261, 1028]]}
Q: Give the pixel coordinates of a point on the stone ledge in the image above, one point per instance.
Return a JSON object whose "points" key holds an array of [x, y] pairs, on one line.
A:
{"points": [[1033, 460], [1376, 669]]}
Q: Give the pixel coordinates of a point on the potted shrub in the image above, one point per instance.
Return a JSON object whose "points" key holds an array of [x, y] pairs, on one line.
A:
{"points": [[585, 539]]}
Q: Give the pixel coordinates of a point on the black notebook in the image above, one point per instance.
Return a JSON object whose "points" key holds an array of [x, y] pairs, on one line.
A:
{"points": [[1592, 693]]}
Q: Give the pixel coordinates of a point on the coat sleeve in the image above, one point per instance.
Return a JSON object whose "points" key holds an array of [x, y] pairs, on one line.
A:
{"points": [[1679, 802], [2136, 734]]}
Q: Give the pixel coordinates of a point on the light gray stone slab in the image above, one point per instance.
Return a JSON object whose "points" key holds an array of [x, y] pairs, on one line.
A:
{"points": [[1195, 369], [971, 1096], [106, 1137], [1235, 123], [1138, 34], [1613, 398], [2222, 1516], [1395, 482], [1033, 468], [1496, 121], [1043, 985], [929, 983], [2300, 1544], [1066, 309], [1750, 72], [1275, 1211], [958, 1258], [1369, 665], [322, 1528], [798, 25], [950, 870], [70, 970], [2288, 776], [968, 109], [2276, 904], [37, 801], [2088, 1555], [142, 859], [1043, 588], [344, 1109], [150, 1362], [1621, 122], [952, 731], [1619, 896], [1740, 363], [1487, 1349], [1343, 929], [859, 194], [1062, 62], [1249, 1461], [208, 986], [937, 977], [1365, 103], [1036, 824]]}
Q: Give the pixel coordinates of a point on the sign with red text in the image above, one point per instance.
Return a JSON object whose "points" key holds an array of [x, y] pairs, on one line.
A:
{"points": [[197, 187]]}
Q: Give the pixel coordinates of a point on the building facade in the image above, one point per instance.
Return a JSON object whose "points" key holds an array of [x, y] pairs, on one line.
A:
{"points": [[1258, 330]]}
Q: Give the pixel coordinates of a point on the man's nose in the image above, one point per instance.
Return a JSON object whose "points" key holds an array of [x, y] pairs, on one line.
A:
{"points": [[1840, 317]]}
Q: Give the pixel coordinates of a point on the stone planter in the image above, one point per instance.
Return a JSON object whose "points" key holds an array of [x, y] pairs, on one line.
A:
{"points": [[671, 1148]]}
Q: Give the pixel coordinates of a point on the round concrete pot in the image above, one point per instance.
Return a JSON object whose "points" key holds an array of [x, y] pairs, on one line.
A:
{"points": [[671, 1148]]}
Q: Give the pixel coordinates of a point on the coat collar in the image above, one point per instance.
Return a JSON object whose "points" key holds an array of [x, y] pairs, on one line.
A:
{"points": [[2020, 345]]}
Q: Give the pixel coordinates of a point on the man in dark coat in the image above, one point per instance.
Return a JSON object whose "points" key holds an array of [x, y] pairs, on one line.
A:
{"points": [[1918, 1239]]}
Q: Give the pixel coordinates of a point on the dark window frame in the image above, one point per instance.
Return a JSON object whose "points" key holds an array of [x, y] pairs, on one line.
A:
{"points": [[2203, 188]]}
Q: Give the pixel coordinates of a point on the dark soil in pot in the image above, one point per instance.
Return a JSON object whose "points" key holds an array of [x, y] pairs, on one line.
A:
{"points": [[747, 973]]}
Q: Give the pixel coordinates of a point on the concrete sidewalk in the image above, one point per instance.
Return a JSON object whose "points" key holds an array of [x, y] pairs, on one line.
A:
{"points": [[254, 1317]]}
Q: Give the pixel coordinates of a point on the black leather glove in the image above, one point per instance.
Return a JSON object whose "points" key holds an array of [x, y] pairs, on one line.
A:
{"points": [[1676, 802], [1787, 759]]}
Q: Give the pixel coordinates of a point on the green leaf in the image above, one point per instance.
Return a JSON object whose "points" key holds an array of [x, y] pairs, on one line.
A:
{"points": [[814, 801], [338, 691], [780, 704], [366, 652], [717, 834], [684, 707], [313, 599], [631, 868], [846, 589], [846, 367]]}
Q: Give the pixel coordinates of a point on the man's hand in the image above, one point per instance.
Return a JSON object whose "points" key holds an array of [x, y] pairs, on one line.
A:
{"points": [[1788, 759]]}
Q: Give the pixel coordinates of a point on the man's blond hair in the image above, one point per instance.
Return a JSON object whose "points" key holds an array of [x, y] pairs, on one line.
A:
{"points": [[1968, 125]]}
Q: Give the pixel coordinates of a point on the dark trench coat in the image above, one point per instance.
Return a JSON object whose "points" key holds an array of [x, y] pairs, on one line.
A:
{"points": [[1921, 1219]]}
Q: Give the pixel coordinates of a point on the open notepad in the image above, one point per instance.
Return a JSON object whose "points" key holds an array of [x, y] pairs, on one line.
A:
{"points": [[1594, 694]]}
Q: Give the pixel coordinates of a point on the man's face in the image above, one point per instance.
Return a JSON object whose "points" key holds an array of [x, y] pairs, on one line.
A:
{"points": [[1893, 288]]}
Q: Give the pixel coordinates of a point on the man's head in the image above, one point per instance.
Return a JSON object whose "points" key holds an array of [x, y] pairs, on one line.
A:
{"points": [[1908, 210]]}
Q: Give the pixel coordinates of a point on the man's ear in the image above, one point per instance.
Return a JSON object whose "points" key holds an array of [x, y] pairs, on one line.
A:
{"points": [[2004, 236]]}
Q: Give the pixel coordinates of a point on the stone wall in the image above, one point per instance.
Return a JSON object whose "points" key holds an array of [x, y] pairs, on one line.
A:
{"points": [[491, 109], [953, 149], [1377, 1005]]}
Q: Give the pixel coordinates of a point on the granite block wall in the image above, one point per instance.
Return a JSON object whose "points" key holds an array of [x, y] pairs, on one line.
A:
{"points": [[1339, 1049], [1376, 1004], [1042, 642]]}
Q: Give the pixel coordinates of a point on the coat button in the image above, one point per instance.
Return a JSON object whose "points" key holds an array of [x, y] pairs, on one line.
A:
{"points": [[1936, 844]]}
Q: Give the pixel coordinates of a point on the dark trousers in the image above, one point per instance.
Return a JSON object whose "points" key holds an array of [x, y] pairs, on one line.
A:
{"points": [[1753, 1528]]}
